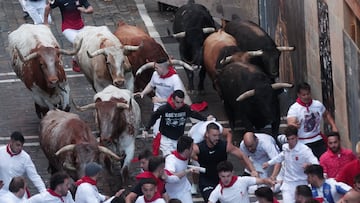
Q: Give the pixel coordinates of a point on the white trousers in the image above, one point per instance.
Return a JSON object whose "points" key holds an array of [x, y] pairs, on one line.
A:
{"points": [[70, 34], [167, 145], [36, 10], [288, 190]]}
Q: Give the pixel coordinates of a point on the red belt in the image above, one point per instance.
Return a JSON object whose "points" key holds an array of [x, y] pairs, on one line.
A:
{"points": [[307, 138]]}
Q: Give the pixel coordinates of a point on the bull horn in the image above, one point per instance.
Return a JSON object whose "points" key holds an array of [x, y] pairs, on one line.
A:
{"points": [[69, 166], [255, 53], [28, 57], [72, 52], [181, 63], [95, 53], [65, 148], [122, 105], [207, 30], [225, 60], [179, 35], [133, 48], [108, 152], [284, 48], [277, 86], [83, 108], [144, 67], [245, 95]]}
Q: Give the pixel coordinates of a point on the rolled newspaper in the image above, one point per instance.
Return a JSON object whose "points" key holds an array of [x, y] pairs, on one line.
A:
{"points": [[199, 168]]}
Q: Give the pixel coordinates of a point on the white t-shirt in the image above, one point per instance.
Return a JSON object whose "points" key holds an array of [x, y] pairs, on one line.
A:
{"points": [[165, 86], [18, 165], [294, 161], [238, 192], [142, 200], [9, 197], [46, 197], [309, 120], [87, 193], [265, 150], [197, 131], [180, 189]]}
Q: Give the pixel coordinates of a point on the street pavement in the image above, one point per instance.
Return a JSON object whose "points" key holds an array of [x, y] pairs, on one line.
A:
{"points": [[17, 107]]}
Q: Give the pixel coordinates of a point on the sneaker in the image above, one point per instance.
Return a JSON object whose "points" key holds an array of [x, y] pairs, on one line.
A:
{"points": [[75, 66]]}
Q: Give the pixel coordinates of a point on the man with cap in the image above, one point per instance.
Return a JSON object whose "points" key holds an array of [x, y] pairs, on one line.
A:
{"points": [[87, 191]]}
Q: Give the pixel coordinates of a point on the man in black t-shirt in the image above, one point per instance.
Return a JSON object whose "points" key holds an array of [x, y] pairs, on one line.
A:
{"points": [[212, 151]]}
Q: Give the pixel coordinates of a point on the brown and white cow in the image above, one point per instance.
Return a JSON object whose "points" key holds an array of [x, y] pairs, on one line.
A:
{"points": [[150, 52], [36, 60], [102, 58], [68, 143], [118, 117]]}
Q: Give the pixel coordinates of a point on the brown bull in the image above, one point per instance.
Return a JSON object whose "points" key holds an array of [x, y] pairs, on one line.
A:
{"points": [[150, 52], [68, 143]]}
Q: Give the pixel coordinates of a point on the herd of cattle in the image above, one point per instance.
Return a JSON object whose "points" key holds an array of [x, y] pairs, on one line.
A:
{"points": [[240, 58]]}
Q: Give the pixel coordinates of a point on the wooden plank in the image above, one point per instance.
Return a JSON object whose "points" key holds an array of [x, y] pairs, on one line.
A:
{"points": [[354, 5]]}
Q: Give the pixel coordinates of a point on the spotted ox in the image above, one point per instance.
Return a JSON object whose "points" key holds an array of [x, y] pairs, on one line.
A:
{"points": [[250, 37], [192, 24], [68, 143], [150, 52], [118, 117], [36, 60], [233, 75], [102, 58]]}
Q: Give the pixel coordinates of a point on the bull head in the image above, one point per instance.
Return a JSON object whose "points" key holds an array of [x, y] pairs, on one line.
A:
{"points": [[126, 49], [173, 62], [102, 149], [205, 31], [251, 93]]}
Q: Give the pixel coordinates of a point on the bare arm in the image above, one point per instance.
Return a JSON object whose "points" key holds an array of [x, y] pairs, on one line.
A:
{"points": [[228, 136], [243, 158], [330, 120], [130, 198], [46, 13], [87, 10], [293, 121]]}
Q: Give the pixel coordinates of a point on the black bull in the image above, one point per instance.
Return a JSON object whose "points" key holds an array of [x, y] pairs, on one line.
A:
{"points": [[192, 24], [258, 104]]}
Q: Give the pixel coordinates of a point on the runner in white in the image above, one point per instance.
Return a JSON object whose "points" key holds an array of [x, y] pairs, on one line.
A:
{"points": [[296, 156], [234, 188]]}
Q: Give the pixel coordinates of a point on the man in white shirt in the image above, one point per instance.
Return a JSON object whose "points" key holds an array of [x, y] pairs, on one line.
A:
{"points": [[260, 148], [87, 191], [327, 189], [58, 191], [176, 165], [14, 161], [148, 187], [234, 188], [296, 157], [16, 191], [306, 114]]}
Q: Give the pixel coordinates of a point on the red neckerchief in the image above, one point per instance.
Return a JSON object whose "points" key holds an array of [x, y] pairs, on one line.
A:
{"points": [[8, 150], [53, 193], [171, 102], [233, 180], [86, 179], [171, 72], [155, 197], [179, 156], [275, 200], [298, 100]]}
